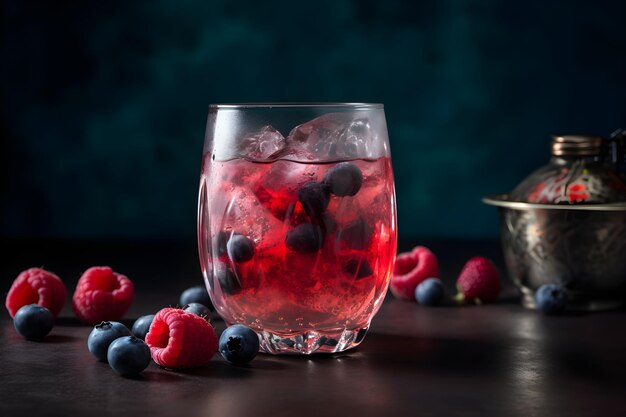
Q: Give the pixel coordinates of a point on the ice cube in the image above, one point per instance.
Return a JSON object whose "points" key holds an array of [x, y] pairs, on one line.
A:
{"points": [[238, 212], [290, 176], [263, 144], [357, 137], [333, 135], [278, 188]]}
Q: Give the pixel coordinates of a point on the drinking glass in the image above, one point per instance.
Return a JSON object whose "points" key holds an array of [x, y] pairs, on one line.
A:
{"points": [[297, 221]]}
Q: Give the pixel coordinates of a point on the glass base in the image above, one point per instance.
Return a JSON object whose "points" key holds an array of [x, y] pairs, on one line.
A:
{"points": [[306, 343]]}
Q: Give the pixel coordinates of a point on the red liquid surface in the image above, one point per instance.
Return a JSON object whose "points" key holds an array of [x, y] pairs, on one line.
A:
{"points": [[281, 290]]}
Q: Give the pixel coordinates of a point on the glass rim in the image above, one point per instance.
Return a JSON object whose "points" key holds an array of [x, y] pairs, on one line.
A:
{"points": [[301, 105]]}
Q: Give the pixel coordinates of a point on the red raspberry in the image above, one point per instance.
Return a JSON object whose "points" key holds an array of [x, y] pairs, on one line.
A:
{"points": [[410, 269], [102, 295], [178, 339], [479, 281], [36, 286]]}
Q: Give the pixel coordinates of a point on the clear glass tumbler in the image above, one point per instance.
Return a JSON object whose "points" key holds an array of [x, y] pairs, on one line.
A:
{"points": [[297, 221]]}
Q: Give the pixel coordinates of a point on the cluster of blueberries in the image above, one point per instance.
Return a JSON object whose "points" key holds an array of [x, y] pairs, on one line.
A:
{"points": [[128, 354], [344, 179], [125, 350], [112, 342], [238, 344]]}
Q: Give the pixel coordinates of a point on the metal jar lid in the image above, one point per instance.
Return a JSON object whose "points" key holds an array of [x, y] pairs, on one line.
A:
{"points": [[576, 145]]}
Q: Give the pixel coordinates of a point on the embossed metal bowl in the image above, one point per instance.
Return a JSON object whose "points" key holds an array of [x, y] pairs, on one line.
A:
{"points": [[582, 247]]}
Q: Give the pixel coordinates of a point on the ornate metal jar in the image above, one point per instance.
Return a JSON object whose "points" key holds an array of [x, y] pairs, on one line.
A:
{"points": [[566, 223]]}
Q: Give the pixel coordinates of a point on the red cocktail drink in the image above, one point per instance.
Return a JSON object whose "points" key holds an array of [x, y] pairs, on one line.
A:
{"points": [[297, 248]]}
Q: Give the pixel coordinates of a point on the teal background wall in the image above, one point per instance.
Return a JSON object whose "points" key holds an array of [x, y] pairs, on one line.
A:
{"points": [[104, 103]]}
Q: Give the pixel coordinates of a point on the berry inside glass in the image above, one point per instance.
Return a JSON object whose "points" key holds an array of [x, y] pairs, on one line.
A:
{"points": [[297, 221]]}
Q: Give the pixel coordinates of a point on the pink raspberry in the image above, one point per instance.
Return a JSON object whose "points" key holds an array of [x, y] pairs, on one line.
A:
{"points": [[410, 269], [36, 286], [102, 295], [178, 339]]}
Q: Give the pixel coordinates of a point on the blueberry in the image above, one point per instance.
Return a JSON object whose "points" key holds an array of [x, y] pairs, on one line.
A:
{"points": [[305, 238], [227, 279], [33, 321], [356, 235], [239, 344], [128, 355], [429, 292], [357, 268], [197, 294], [314, 197], [240, 248], [344, 179], [550, 299], [102, 335], [220, 241], [199, 310], [142, 326]]}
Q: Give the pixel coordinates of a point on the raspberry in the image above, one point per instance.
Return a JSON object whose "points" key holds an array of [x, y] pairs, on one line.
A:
{"points": [[410, 269], [102, 295], [36, 286], [178, 339], [479, 281]]}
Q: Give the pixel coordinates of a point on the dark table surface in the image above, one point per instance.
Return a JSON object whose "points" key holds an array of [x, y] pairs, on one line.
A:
{"points": [[498, 359]]}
